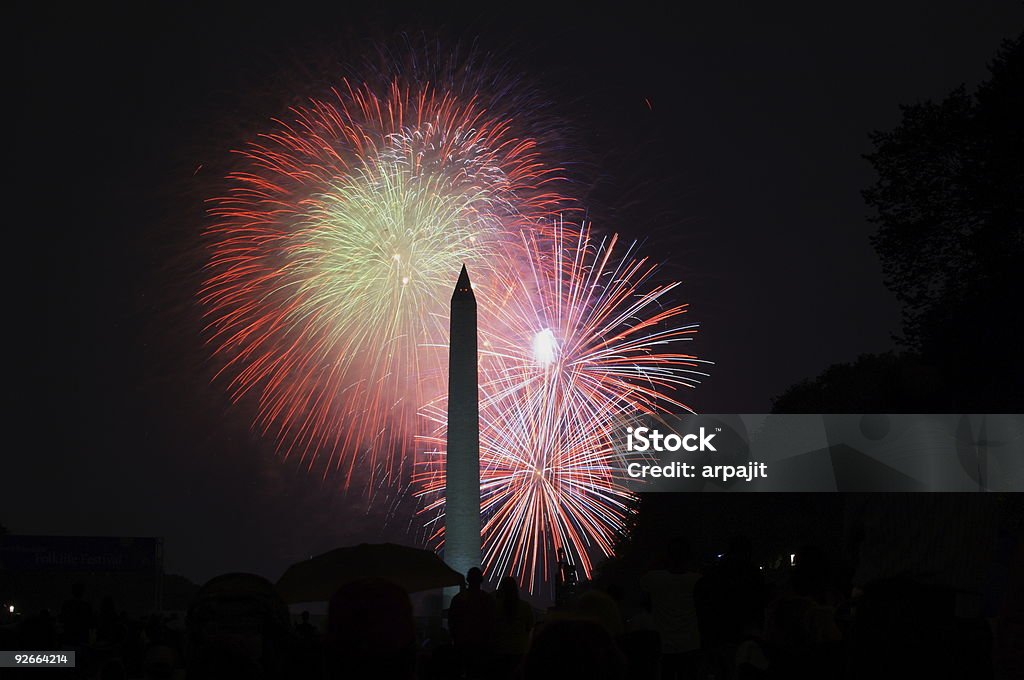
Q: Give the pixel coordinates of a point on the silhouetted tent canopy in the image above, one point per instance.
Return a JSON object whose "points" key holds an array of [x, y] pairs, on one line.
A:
{"points": [[236, 605], [317, 578]]}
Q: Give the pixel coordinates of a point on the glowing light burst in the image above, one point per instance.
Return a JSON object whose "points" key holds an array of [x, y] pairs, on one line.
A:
{"points": [[544, 347], [331, 259], [580, 338]]}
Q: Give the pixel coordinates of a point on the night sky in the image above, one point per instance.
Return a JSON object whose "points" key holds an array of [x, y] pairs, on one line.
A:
{"points": [[727, 140]]}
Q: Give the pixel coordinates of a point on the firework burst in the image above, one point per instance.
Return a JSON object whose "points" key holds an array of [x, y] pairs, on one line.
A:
{"points": [[331, 255], [571, 344]]}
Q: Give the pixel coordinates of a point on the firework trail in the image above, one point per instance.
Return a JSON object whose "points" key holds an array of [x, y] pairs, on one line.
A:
{"points": [[332, 253], [579, 338]]}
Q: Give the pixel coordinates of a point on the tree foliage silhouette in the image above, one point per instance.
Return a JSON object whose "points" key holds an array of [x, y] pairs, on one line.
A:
{"points": [[949, 205]]}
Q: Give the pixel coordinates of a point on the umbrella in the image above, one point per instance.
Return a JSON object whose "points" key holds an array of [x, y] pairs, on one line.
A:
{"points": [[317, 578]]}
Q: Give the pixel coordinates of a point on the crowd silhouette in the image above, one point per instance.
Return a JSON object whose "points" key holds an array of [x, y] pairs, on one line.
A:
{"points": [[920, 598]]}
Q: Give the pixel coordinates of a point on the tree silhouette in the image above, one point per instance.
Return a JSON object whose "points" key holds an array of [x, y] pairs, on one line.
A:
{"points": [[874, 383], [949, 205]]}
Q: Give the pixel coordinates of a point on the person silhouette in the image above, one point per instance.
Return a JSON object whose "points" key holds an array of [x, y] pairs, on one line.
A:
{"points": [[76, 616], [471, 623], [670, 597], [371, 632], [109, 627], [513, 622], [306, 630]]}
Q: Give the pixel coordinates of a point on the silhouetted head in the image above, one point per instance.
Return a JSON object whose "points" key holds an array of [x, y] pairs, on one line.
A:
{"points": [[474, 577], [78, 590], [305, 617], [509, 587], [509, 592], [599, 607]]}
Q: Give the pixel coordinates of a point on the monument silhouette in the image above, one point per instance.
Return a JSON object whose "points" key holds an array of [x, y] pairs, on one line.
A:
{"points": [[462, 467]]}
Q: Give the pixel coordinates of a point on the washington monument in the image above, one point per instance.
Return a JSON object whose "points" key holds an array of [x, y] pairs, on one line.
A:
{"points": [[462, 468]]}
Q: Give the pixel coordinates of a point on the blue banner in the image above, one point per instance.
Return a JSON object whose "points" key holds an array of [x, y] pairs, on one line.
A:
{"points": [[80, 554]]}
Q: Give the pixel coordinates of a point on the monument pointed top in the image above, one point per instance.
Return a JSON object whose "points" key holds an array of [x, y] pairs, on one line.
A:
{"points": [[463, 288]]}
